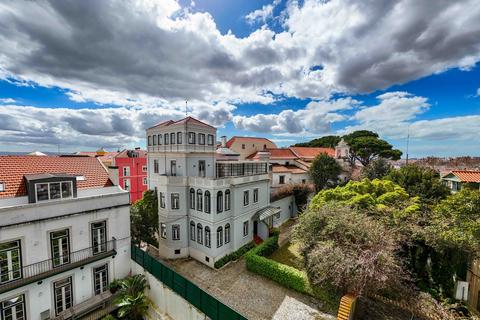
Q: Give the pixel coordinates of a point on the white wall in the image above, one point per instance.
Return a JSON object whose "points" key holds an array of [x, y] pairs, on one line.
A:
{"points": [[167, 304], [288, 207]]}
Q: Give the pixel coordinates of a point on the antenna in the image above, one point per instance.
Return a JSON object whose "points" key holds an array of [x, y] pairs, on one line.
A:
{"points": [[186, 104], [408, 140]]}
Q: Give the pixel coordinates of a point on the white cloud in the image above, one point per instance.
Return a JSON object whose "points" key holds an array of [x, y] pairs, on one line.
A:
{"points": [[7, 100], [315, 118], [478, 92], [75, 129], [262, 14]]}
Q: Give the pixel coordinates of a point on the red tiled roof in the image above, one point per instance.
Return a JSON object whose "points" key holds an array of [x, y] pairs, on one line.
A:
{"points": [[182, 121], [107, 157], [13, 169], [467, 175], [277, 168], [276, 154], [311, 152], [123, 154], [247, 139]]}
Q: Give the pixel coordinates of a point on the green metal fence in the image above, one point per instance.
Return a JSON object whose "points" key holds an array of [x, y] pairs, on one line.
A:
{"points": [[203, 301]]}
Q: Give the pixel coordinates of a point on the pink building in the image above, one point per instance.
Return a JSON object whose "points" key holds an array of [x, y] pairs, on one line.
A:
{"points": [[132, 172]]}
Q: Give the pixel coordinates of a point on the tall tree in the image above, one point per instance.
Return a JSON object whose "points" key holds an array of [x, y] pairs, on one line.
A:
{"points": [[323, 142], [144, 219], [366, 146], [324, 170], [376, 169], [420, 182]]}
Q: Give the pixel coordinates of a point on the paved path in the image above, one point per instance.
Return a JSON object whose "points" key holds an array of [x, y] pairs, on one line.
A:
{"points": [[250, 294]]}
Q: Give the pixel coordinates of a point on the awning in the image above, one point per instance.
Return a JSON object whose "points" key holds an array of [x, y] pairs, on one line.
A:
{"points": [[267, 212]]}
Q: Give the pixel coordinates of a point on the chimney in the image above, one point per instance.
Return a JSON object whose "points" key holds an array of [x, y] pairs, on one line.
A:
{"points": [[137, 148], [223, 139]]}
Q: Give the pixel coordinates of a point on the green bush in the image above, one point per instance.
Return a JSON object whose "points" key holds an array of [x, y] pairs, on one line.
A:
{"points": [[287, 276], [234, 255]]}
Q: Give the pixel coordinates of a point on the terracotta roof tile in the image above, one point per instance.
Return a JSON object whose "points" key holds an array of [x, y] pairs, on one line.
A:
{"points": [[311, 152], [467, 175], [277, 168], [13, 169]]}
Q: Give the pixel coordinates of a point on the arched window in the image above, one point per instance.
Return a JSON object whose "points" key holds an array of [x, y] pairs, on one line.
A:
{"points": [[219, 237], [192, 231], [199, 200], [199, 233], [227, 200], [208, 237], [207, 202], [219, 201], [192, 198], [227, 233]]}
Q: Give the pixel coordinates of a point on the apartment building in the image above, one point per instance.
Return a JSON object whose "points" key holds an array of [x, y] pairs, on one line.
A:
{"points": [[64, 236], [132, 172], [207, 208]]}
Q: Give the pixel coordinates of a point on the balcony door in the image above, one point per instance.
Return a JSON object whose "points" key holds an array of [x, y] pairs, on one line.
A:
{"points": [[60, 246], [99, 237], [10, 261], [201, 168], [100, 276], [63, 295]]}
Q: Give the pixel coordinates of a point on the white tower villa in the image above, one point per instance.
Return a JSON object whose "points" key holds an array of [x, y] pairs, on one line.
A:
{"points": [[207, 208]]}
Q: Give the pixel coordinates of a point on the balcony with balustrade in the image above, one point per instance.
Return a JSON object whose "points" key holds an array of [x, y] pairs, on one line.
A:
{"points": [[38, 271]]}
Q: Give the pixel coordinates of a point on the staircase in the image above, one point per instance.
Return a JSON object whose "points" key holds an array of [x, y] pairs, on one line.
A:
{"points": [[347, 307]]}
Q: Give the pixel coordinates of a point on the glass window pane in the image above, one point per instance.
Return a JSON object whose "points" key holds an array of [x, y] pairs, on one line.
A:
{"points": [[66, 189], [42, 191], [55, 190]]}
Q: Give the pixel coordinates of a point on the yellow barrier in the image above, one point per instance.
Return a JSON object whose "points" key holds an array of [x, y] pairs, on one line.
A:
{"points": [[347, 307]]}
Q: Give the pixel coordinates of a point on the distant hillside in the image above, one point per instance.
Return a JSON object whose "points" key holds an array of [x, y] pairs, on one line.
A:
{"points": [[323, 142]]}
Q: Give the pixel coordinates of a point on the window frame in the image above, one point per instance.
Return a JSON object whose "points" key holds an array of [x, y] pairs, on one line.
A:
{"points": [[208, 237], [154, 140], [219, 201], [11, 272], [201, 139], [255, 195], [192, 231], [210, 139], [179, 138], [18, 302], [102, 245], [227, 233], [163, 230], [245, 228], [55, 295], [162, 199], [125, 183], [199, 233], [175, 232], [199, 194], [246, 198], [145, 181], [166, 139], [227, 197], [173, 136], [207, 204], [175, 201], [144, 169], [191, 137], [48, 190], [192, 197], [219, 237], [281, 179], [68, 244], [156, 166], [126, 171], [99, 270]]}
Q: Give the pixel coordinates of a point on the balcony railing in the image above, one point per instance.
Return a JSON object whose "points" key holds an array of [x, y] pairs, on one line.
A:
{"points": [[47, 268]]}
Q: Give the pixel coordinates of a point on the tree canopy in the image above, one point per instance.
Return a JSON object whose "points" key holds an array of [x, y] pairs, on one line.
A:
{"points": [[348, 249], [144, 219], [323, 142], [376, 169], [420, 181], [324, 170], [366, 146]]}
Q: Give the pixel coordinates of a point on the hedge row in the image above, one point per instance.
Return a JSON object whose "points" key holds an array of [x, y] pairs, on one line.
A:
{"points": [[234, 255], [287, 276]]}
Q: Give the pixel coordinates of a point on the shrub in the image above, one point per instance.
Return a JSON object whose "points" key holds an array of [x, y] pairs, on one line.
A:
{"points": [[287, 276], [234, 255]]}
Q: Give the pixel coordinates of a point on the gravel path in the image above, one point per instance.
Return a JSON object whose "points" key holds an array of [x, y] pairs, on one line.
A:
{"points": [[252, 295]]}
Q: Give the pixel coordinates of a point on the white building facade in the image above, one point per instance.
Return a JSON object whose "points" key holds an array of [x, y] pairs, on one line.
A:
{"points": [[62, 240], [207, 208]]}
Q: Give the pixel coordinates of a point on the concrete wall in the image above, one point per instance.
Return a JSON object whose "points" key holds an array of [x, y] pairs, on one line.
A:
{"points": [[167, 304], [289, 210]]}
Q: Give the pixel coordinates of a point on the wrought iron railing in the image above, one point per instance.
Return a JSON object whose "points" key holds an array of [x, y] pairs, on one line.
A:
{"points": [[40, 270]]}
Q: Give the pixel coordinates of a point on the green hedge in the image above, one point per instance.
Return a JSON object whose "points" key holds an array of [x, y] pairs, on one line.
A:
{"points": [[234, 255], [287, 276]]}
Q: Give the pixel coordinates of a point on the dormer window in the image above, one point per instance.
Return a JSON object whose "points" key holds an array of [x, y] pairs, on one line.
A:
{"points": [[53, 190], [48, 186]]}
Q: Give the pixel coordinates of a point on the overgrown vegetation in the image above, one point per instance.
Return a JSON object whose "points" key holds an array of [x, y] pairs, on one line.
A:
{"points": [[375, 237], [300, 191], [144, 219], [234, 255], [130, 298], [376, 169]]}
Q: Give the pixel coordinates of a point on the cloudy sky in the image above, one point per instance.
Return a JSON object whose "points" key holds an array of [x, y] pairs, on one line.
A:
{"points": [[84, 74]]}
